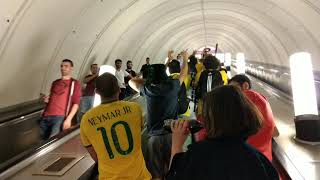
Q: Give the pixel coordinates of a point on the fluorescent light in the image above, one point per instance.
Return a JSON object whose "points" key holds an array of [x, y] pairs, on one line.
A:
{"points": [[261, 67], [227, 57], [198, 56], [241, 64], [229, 74], [103, 69], [303, 89]]}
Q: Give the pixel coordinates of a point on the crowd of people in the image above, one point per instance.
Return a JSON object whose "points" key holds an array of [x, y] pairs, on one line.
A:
{"points": [[235, 143]]}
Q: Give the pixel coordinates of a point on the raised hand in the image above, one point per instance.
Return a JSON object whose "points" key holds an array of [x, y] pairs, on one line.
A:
{"points": [[185, 55]]}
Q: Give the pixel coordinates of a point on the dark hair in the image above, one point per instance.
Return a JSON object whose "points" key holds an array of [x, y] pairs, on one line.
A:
{"points": [[129, 61], [155, 74], [147, 58], [107, 85], [174, 66], [241, 78], [193, 60], [228, 113], [117, 60], [68, 61], [93, 65], [211, 62]]}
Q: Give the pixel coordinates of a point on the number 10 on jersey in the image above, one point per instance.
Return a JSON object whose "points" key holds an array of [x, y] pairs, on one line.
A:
{"points": [[116, 140]]}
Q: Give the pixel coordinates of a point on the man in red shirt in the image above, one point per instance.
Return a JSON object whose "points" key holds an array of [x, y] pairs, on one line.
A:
{"points": [[62, 104], [87, 98], [263, 139]]}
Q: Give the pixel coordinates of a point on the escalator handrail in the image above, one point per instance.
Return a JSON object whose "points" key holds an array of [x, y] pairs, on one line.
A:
{"points": [[20, 110], [20, 157], [21, 118]]}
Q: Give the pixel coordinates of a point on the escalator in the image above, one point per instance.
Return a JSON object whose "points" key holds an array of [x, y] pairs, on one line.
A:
{"points": [[19, 131]]}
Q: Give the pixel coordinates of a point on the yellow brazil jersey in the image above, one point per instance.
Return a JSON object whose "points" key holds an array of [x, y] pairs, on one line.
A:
{"points": [[199, 67], [187, 80], [114, 131]]}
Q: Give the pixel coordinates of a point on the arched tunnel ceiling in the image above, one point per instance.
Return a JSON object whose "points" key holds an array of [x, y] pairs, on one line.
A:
{"points": [[36, 35]]}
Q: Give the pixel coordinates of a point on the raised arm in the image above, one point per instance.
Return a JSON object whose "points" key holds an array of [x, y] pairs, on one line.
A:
{"points": [[136, 83], [184, 68], [180, 133], [90, 78]]}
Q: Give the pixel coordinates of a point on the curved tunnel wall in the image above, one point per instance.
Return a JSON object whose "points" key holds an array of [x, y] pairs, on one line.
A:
{"points": [[36, 35]]}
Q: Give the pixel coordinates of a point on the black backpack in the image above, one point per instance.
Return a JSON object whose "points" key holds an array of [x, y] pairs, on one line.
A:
{"points": [[183, 100], [212, 75]]}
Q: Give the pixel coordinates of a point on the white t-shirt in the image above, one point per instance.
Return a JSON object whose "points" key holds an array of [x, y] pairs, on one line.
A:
{"points": [[120, 77]]}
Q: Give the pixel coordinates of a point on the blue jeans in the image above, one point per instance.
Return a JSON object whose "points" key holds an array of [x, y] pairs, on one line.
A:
{"points": [[50, 126], [86, 103]]}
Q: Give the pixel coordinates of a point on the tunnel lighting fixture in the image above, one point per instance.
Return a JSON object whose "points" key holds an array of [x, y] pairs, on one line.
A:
{"points": [[227, 58], [307, 121], [103, 69], [198, 56], [260, 67], [241, 64]]}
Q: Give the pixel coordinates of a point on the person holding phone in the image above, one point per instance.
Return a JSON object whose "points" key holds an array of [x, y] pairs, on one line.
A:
{"points": [[230, 118], [62, 103]]}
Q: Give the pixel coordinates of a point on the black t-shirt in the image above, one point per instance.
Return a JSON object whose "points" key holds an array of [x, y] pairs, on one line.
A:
{"points": [[225, 159], [162, 104], [143, 68], [132, 73]]}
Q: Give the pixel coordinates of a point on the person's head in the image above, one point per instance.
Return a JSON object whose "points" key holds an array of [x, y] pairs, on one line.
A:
{"points": [[242, 81], [118, 63], [228, 113], [211, 62], [66, 67], [155, 74], [148, 60], [174, 66], [94, 68], [206, 52], [107, 86], [179, 56], [129, 64], [193, 60]]}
